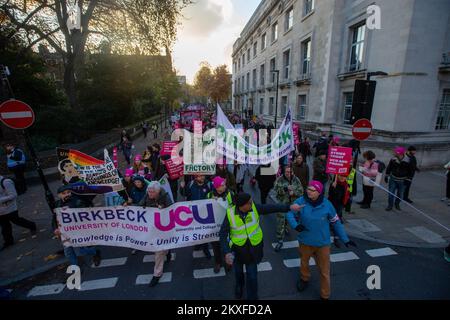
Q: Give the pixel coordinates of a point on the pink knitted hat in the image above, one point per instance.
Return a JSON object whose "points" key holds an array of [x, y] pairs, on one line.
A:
{"points": [[218, 182], [316, 185]]}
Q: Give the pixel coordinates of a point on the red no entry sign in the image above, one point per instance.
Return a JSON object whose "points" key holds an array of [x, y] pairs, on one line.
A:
{"points": [[16, 114], [362, 129]]}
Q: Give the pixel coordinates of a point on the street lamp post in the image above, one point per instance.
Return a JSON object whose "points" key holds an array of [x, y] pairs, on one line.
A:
{"points": [[276, 101]]}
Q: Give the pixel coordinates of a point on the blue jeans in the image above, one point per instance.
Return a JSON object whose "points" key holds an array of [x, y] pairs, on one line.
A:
{"points": [[395, 185], [72, 253], [252, 278]]}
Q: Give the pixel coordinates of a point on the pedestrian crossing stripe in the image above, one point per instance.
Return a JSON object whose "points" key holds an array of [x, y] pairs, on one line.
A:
{"points": [[382, 252], [46, 290], [151, 257], [146, 278], [336, 257], [200, 254], [99, 284], [111, 262]]}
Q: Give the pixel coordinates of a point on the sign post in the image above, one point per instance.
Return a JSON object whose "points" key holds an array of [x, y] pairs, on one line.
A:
{"points": [[18, 115]]}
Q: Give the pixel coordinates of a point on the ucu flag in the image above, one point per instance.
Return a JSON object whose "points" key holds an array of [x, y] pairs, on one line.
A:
{"points": [[183, 216]]}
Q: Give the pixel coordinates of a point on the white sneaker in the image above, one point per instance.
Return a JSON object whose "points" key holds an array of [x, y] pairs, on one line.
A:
{"points": [[445, 199]]}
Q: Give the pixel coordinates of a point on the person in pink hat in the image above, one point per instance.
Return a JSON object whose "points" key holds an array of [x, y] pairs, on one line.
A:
{"points": [[140, 168], [220, 191], [397, 172], [313, 226]]}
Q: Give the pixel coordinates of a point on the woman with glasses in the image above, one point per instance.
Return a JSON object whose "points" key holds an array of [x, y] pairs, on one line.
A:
{"points": [[313, 224]]}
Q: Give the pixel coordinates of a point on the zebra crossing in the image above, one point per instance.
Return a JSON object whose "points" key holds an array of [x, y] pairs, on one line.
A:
{"points": [[53, 290]]}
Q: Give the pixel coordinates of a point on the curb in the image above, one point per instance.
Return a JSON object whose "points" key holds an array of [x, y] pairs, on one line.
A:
{"points": [[33, 272]]}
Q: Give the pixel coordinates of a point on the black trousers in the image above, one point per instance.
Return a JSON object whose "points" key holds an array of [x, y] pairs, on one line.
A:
{"points": [[407, 187], [216, 250], [368, 195], [448, 186], [19, 173], [264, 194], [5, 223]]}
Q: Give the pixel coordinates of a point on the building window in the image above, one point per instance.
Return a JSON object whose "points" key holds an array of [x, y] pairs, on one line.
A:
{"points": [[248, 56], [273, 66], [286, 63], [239, 64], [443, 119], [309, 7], [275, 32], [239, 85], [248, 80], [302, 107], [255, 49], [289, 19], [254, 79], [271, 105], [262, 74], [306, 56], [242, 83], [357, 49], [348, 101], [263, 41], [284, 105], [261, 105]]}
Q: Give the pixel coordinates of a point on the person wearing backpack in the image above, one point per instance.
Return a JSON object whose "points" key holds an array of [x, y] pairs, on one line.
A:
{"points": [[370, 173], [397, 171], [9, 212], [16, 164]]}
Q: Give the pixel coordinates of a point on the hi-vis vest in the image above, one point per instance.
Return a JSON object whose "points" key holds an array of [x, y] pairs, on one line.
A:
{"points": [[350, 180], [240, 230], [229, 197]]}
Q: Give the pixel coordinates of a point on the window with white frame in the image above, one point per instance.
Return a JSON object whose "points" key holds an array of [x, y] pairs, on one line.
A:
{"points": [[348, 102], [289, 19], [357, 49], [309, 7], [262, 74], [271, 105], [254, 79], [284, 105], [273, 66], [255, 50], [443, 119], [286, 63], [261, 105], [275, 32], [263, 41], [306, 57], [302, 107]]}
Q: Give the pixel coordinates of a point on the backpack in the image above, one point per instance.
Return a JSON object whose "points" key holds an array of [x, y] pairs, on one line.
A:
{"points": [[381, 166], [2, 183]]}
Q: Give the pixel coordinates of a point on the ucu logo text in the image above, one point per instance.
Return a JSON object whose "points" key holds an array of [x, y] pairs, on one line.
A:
{"points": [[176, 219]]}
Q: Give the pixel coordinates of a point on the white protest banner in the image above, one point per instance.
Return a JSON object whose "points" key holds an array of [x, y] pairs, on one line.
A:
{"points": [[183, 224], [232, 145]]}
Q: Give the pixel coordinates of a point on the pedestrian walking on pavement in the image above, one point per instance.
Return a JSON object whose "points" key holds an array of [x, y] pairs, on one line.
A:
{"points": [[16, 164], [10, 213], [313, 224], [126, 146], [287, 188], [397, 171], [447, 189], [370, 174], [144, 126], [156, 197], [155, 130], [73, 254], [410, 157], [241, 239], [265, 176]]}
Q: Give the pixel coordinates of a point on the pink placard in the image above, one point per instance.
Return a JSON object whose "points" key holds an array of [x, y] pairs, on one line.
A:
{"points": [[339, 160], [167, 147], [175, 170], [296, 128]]}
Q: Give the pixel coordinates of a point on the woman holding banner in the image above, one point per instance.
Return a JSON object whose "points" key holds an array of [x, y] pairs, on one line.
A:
{"points": [[157, 197]]}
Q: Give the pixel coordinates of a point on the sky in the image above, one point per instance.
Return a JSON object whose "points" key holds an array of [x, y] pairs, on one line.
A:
{"points": [[207, 33]]}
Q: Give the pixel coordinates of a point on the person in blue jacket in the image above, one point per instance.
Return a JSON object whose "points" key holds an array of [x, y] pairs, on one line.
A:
{"points": [[313, 224]]}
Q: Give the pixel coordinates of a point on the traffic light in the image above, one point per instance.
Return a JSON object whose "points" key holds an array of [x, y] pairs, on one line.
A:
{"points": [[363, 97]]}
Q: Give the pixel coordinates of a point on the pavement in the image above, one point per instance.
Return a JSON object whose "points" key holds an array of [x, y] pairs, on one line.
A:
{"points": [[400, 239]]}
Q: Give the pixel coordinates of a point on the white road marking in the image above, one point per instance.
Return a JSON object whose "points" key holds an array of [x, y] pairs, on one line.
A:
{"points": [[15, 115], [426, 234], [382, 252], [151, 257], [208, 273], [111, 262], [200, 254], [46, 290], [146, 278], [99, 284], [336, 257], [363, 225], [264, 266], [287, 244]]}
